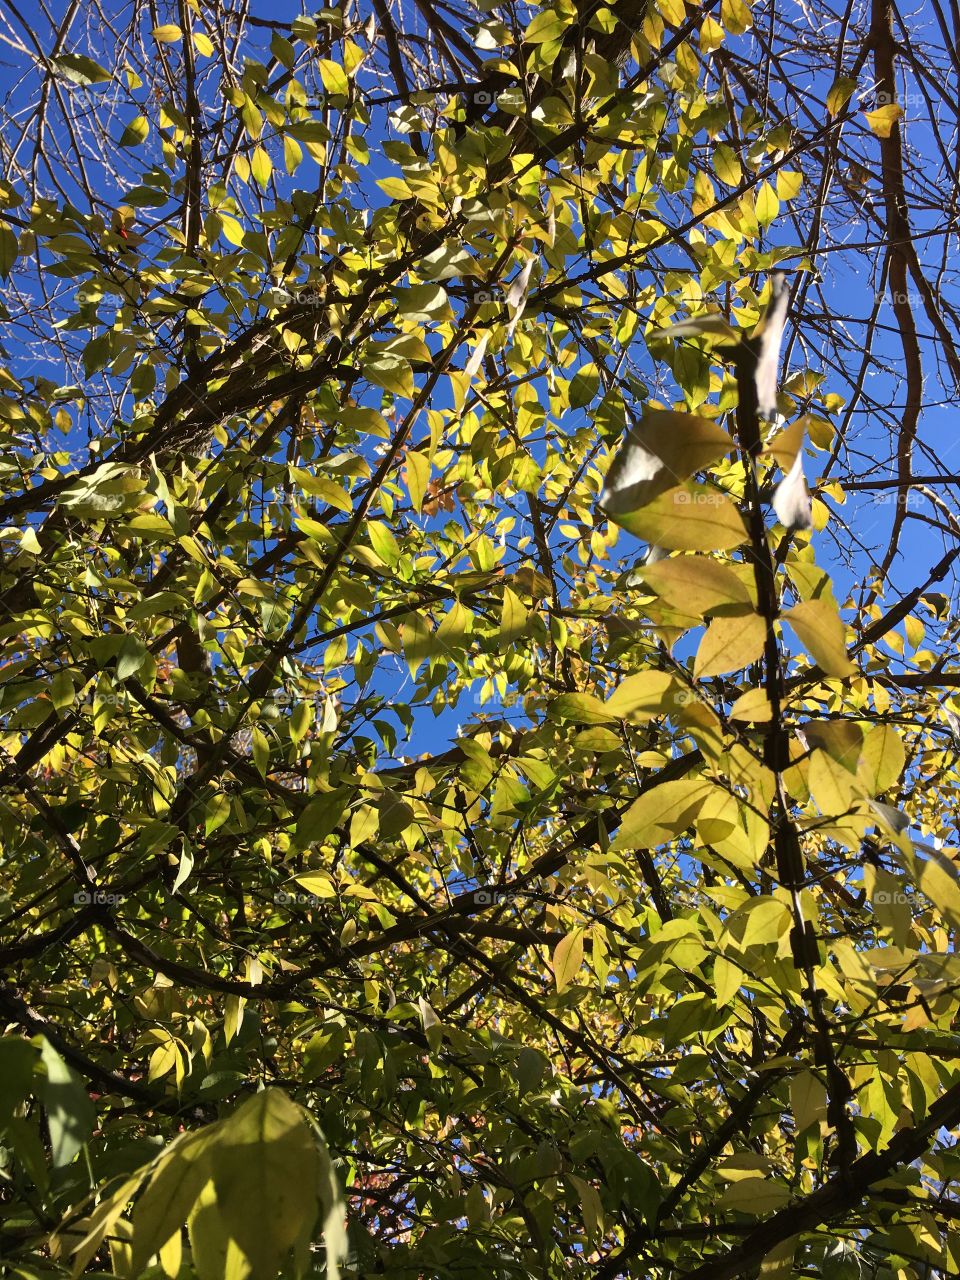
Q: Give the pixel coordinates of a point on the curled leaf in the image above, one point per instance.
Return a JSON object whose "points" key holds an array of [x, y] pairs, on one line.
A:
{"points": [[517, 295], [768, 350], [791, 499], [476, 356]]}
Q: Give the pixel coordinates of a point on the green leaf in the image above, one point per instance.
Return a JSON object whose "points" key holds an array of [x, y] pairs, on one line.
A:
{"points": [[80, 70], [216, 813], [8, 249], [70, 1113], [545, 27], [130, 657], [266, 1171], [18, 1060], [321, 816]]}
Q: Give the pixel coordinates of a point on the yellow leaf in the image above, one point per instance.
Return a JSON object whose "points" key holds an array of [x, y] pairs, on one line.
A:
{"points": [[318, 882], [786, 444], [726, 165], [884, 118], [729, 644], [728, 978], [753, 707], [820, 628], [169, 33], [292, 154], [567, 959], [831, 785], [203, 44], [808, 1100], [643, 696]]}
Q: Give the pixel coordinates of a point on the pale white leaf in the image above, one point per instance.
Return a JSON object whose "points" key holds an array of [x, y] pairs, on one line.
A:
{"points": [[768, 352], [791, 498]]}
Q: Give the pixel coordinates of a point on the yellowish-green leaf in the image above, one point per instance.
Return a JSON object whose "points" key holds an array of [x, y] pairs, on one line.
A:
{"points": [[729, 644], [820, 628], [726, 165], [767, 205], [839, 94], [261, 166], [417, 475], [568, 959], [168, 33], [513, 618], [882, 758], [664, 449], [292, 154], [695, 584], [581, 708], [662, 813], [334, 77], [690, 518]]}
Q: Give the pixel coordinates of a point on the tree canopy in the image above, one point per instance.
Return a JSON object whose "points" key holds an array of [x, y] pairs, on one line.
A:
{"points": [[478, 745]]}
